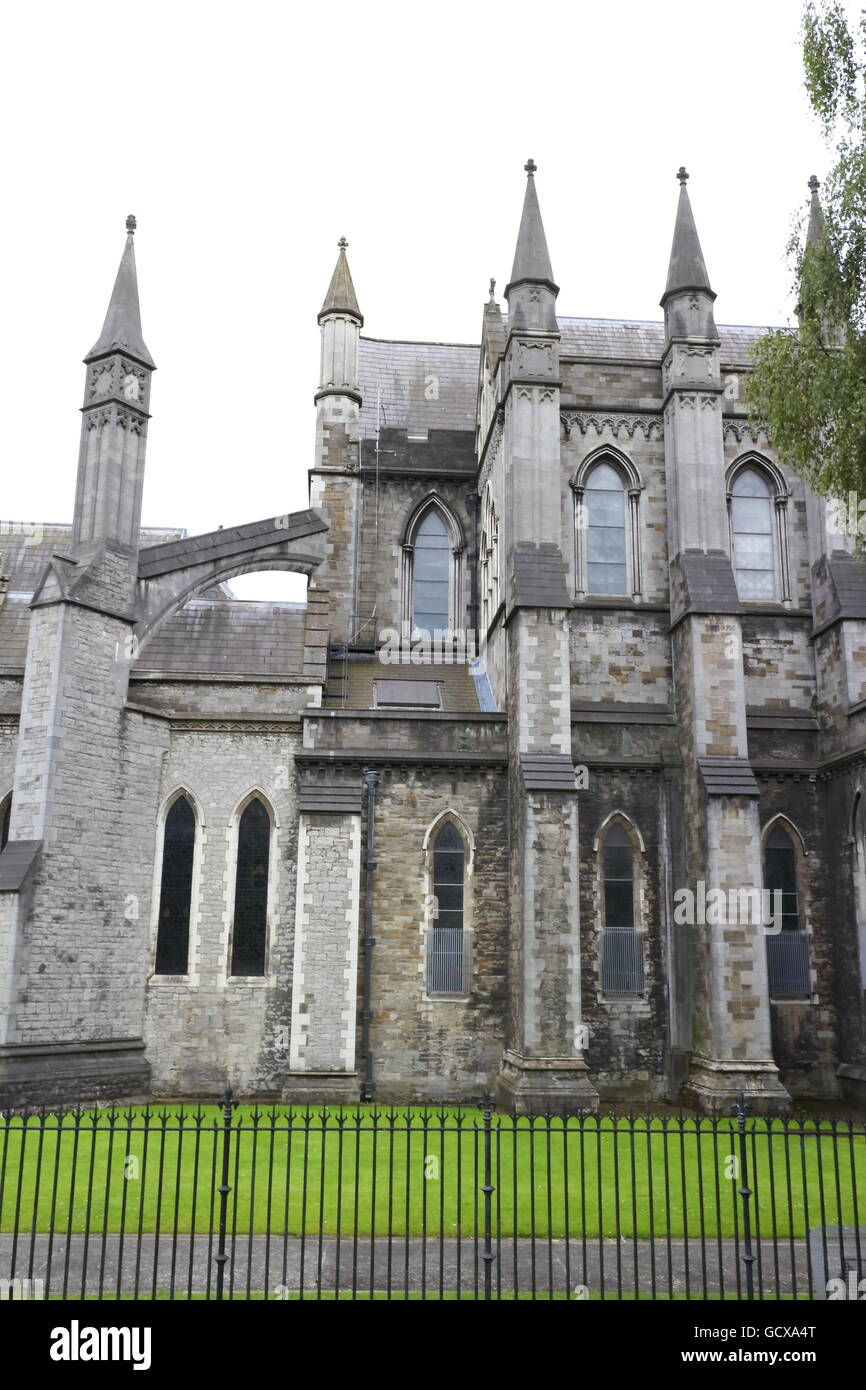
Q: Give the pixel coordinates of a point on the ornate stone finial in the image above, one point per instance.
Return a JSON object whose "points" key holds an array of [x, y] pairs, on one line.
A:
{"points": [[492, 299], [682, 175], [814, 184], [131, 224], [530, 166], [343, 243]]}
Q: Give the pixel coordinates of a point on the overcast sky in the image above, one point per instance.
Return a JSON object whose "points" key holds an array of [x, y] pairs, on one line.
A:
{"points": [[248, 137]]}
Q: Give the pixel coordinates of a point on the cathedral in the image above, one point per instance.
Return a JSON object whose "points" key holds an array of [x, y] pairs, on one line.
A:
{"points": [[554, 787]]}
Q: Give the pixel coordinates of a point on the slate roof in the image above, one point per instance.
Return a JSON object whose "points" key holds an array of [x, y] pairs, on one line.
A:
{"points": [[458, 687], [402, 376], [215, 637], [26, 555], [25, 552], [214, 633], [399, 372], [644, 340]]}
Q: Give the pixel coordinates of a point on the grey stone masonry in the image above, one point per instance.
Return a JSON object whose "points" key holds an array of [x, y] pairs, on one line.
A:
{"points": [[324, 979]]}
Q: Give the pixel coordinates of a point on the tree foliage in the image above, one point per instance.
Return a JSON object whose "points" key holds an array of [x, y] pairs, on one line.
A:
{"points": [[809, 384]]}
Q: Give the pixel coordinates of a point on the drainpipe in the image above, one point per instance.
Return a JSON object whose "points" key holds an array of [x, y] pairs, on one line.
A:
{"points": [[371, 781]]}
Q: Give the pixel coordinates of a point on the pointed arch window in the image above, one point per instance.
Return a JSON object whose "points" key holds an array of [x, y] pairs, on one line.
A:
{"points": [[607, 491], [175, 891], [606, 565], [5, 821], [249, 929], [431, 576], [622, 966], [788, 970], [489, 562], [431, 573], [447, 954], [757, 514], [752, 530]]}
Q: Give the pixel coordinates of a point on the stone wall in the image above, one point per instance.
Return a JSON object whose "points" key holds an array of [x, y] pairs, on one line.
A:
{"points": [[779, 663], [210, 1029], [628, 1038], [325, 978], [622, 656], [434, 1048]]}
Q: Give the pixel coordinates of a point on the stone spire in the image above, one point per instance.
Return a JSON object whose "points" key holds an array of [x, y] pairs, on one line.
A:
{"points": [[531, 256], [114, 420], [815, 231], [687, 270], [531, 292], [688, 298], [121, 331], [341, 298]]}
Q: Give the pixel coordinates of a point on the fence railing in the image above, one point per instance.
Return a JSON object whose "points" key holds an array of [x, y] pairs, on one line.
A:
{"points": [[788, 970], [622, 961], [228, 1202]]}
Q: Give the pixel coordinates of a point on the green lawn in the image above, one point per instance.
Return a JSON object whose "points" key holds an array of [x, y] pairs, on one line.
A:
{"points": [[141, 1170]]}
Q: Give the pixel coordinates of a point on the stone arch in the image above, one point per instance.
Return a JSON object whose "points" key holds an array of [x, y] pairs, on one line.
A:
{"points": [[449, 814], [752, 458], [181, 789], [607, 453], [171, 599], [780, 819], [631, 829], [434, 501]]}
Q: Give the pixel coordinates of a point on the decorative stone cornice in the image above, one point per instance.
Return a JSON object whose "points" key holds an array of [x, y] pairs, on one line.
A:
{"points": [[650, 426], [743, 428]]}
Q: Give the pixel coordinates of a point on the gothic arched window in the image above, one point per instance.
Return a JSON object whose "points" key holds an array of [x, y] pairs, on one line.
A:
{"points": [[175, 893], [431, 576], [752, 535], [607, 555], [606, 564], [249, 934], [5, 820], [431, 572], [489, 562], [622, 939], [447, 964], [787, 944]]}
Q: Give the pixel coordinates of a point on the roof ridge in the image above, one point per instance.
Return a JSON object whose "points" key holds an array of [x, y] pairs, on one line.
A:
{"points": [[418, 342]]}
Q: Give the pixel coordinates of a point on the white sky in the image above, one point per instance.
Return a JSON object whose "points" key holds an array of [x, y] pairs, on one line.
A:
{"points": [[248, 137]]}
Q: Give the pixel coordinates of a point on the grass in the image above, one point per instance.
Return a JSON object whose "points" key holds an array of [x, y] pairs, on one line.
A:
{"points": [[156, 1169]]}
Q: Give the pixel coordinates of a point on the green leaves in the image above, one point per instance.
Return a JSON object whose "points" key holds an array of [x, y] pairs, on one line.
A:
{"points": [[809, 387]]}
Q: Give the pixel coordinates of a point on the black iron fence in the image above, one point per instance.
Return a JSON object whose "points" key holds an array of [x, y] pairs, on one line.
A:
{"points": [[220, 1202]]}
